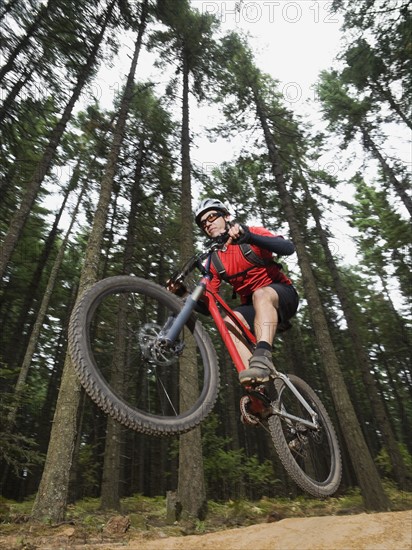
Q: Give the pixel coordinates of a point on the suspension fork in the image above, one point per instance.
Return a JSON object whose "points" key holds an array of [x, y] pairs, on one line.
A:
{"points": [[185, 312]]}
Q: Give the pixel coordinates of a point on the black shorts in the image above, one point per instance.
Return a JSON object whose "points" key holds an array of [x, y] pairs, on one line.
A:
{"points": [[288, 306]]}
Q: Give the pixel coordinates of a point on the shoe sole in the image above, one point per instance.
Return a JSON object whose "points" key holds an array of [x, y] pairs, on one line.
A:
{"points": [[251, 380]]}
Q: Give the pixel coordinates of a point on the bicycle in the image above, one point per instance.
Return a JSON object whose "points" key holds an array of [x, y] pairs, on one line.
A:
{"points": [[139, 350]]}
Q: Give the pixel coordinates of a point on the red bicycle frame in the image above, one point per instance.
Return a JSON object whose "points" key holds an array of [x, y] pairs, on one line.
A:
{"points": [[210, 298]]}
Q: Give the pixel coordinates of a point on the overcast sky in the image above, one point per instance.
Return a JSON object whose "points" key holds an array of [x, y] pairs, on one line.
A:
{"points": [[292, 41]]}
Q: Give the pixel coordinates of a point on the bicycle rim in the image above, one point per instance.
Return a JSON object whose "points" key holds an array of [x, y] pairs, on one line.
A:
{"points": [[113, 333], [310, 456]]}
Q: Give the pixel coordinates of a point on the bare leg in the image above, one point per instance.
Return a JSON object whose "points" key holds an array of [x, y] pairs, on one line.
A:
{"points": [[266, 302], [238, 339]]}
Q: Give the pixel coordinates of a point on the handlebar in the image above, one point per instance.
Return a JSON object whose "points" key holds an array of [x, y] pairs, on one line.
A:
{"points": [[196, 261]]}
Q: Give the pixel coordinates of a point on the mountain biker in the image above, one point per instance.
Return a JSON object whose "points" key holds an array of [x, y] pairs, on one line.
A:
{"points": [[268, 298]]}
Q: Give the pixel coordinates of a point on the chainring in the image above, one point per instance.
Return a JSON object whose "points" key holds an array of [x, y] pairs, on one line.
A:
{"points": [[246, 417]]}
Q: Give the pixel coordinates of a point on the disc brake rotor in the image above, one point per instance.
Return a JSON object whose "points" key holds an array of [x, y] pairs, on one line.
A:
{"points": [[154, 349]]}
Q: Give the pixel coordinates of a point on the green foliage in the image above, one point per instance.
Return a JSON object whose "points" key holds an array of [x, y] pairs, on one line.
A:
{"points": [[226, 469], [188, 42], [246, 185], [346, 114], [385, 49], [383, 461], [148, 516], [18, 452], [88, 470], [384, 236]]}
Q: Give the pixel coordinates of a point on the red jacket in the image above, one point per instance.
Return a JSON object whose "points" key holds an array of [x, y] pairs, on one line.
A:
{"points": [[257, 277]]}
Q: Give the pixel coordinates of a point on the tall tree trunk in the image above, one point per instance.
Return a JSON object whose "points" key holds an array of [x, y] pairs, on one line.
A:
{"points": [[14, 348], [382, 422], [19, 219], [111, 479], [399, 401], [136, 198], [191, 486], [34, 336], [386, 94], [73, 492], [110, 487], [14, 92], [399, 186], [51, 499], [368, 478]]}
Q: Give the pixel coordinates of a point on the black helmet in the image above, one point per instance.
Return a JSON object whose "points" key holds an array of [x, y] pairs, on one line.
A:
{"points": [[209, 204]]}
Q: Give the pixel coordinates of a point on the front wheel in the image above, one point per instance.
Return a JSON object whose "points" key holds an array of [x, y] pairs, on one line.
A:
{"points": [[115, 344], [310, 456]]}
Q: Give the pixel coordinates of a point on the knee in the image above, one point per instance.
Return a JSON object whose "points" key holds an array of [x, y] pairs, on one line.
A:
{"points": [[265, 295], [258, 294]]}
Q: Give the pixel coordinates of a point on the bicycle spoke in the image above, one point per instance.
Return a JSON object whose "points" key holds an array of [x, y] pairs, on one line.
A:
{"points": [[310, 454], [129, 369]]}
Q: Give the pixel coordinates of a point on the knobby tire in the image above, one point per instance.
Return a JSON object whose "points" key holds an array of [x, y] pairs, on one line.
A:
{"points": [[93, 350], [316, 466]]}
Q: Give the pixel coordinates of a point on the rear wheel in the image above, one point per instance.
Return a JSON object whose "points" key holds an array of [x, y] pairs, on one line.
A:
{"points": [[115, 346], [310, 456]]}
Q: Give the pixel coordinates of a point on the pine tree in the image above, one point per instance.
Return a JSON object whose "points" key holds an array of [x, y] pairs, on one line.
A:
{"points": [[188, 40], [347, 116], [51, 499], [252, 89], [19, 219], [147, 142]]}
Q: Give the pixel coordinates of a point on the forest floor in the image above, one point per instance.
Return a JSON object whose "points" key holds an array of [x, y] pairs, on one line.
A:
{"points": [[269, 524], [384, 531]]}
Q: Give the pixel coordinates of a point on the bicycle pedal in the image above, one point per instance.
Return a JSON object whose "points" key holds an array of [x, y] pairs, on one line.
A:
{"points": [[259, 392]]}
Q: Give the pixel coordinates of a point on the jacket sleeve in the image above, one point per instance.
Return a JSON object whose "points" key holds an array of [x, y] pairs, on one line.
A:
{"points": [[277, 245], [274, 243]]}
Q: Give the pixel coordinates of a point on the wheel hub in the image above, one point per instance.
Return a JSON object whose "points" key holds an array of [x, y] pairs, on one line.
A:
{"points": [[155, 349]]}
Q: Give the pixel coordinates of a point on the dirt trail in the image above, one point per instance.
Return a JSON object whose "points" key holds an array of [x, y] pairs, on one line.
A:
{"points": [[386, 531]]}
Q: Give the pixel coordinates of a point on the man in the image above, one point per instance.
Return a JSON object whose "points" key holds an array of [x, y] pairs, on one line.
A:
{"points": [[267, 294]]}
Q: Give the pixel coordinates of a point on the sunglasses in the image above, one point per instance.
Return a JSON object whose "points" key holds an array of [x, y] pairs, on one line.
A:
{"points": [[211, 218]]}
